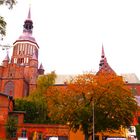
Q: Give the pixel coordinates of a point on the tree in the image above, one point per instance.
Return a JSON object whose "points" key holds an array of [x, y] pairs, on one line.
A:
{"points": [[35, 104], [10, 4], [44, 81], [138, 131], [28, 106], [11, 126], [114, 104]]}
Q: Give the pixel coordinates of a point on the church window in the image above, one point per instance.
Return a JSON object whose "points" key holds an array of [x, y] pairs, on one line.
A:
{"points": [[15, 60], [20, 60], [33, 49], [17, 49], [9, 88], [27, 60], [24, 60], [20, 47], [25, 49], [28, 49]]}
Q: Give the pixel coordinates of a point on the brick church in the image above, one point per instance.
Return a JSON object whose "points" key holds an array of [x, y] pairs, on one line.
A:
{"points": [[18, 75]]}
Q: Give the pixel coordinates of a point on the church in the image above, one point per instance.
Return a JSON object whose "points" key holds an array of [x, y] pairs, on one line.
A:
{"points": [[18, 76]]}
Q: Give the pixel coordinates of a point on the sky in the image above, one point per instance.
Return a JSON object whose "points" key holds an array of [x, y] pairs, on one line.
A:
{"points": [[70, 33]]}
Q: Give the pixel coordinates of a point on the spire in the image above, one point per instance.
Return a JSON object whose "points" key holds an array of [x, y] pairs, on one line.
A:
{"points": [[103, 54], [41, 70], [7, 57], [29, 13], [41, 66], [103, 65], [28, 23], [103, 58], [27, 29], [6, 60]]}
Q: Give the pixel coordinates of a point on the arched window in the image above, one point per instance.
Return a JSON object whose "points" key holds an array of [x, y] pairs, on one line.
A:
{"points": [[9, 88]]}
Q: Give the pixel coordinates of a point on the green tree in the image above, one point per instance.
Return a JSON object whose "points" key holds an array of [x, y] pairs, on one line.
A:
{"points": [[10, 4], [114, 104], [44, 81], [11, 126], [35, 104], [138, 131], [29, 107]]}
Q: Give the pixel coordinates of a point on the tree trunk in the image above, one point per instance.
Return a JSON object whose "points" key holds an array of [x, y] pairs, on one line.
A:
{"points": [[86, 135]]}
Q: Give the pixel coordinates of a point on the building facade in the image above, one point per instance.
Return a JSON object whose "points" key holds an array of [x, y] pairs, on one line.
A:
{"points": [[18, 74]]}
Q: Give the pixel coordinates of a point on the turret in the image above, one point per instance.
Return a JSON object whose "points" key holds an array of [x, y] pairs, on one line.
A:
{"points": [[6, 60], [41, 70]]}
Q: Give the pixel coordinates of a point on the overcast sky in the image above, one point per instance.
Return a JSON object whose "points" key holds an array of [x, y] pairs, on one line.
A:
{"points": [[70, 33]]}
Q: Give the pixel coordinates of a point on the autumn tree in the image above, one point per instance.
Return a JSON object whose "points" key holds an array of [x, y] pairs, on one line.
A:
{"points": [[114, 104], [35, 104], [10, 4]]}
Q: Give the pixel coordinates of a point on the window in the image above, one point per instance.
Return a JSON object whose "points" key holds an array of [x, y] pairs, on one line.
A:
{"points": [[134, 91], [9, 88], [23, 133], [40, 136]]}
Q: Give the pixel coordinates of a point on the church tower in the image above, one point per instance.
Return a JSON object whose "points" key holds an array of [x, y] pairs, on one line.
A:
{"points": [[103, 65], [18, 76], [25, 47]]}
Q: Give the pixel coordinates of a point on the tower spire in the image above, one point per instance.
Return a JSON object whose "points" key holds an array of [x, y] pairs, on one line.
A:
{"points": [[103, 54], [28, 23], [103, 58], [29, 13], [103, 65]]}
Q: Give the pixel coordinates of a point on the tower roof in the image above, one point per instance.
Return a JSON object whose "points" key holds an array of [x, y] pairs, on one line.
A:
{"points": [[103, 65], [41, 66], [27, 29], [6, 57]]}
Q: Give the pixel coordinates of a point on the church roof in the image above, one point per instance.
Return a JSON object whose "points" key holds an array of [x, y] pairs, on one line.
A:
{"points": [[62, 79], [27, 30], [129, 77], [27, 36]]}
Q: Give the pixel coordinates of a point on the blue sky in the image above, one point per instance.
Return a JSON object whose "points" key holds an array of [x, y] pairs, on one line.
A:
{"points": [[70, 33]]}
